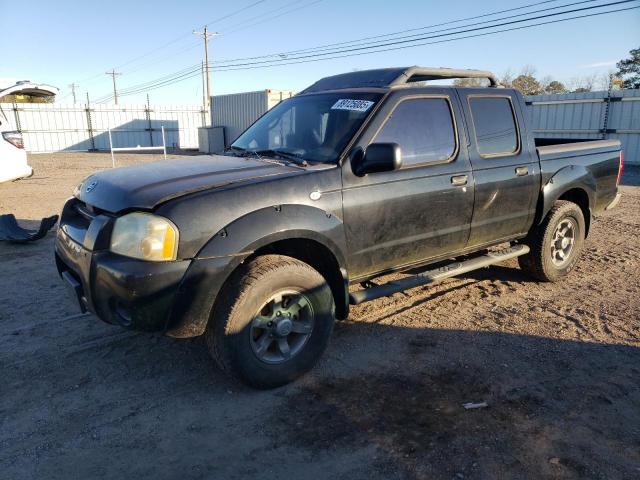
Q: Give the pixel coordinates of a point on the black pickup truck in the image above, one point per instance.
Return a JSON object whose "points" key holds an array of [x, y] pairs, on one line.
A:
{"points": [[359, 175]]}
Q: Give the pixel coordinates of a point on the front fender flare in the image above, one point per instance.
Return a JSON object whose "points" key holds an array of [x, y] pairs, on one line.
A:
{"points": [[262, 227], [230, 246]]}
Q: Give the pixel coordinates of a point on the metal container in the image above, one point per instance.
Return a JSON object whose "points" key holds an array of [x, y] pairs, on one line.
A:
{"points": [[211, 139], [237, 111]]}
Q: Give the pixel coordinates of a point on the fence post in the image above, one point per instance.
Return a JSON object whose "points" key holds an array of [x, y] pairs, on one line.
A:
{"points": [[607, 107], [90, 126], [147, 113], [164, 144], [113, 158], [17, 116]]}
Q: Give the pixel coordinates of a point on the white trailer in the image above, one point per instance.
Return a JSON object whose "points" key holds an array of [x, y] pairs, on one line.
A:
{"points": [[13, 158]]}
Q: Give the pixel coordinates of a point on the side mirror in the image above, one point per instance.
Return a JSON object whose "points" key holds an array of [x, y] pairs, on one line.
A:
{"points": [[379, 157]]}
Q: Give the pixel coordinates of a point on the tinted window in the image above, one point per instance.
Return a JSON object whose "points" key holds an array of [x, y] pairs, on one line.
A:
{"points": [[494, 124], [423, 127], [312, 127]]}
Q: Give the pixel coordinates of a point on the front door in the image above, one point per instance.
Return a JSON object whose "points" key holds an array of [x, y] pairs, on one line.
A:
{"points": [[421, 211]]}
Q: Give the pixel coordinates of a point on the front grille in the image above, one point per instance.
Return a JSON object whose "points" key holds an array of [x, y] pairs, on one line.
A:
{"points": [[76, 218], [85, 211]]}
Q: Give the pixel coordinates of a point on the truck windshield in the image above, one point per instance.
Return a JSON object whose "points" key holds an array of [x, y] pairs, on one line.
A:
{"points": [[315, 128]]}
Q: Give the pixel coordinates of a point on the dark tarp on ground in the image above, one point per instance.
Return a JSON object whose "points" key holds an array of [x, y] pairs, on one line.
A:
{"points": [[10, 231]]}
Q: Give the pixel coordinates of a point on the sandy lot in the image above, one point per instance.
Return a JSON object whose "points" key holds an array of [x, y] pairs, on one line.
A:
{"points": [[558, 364]]}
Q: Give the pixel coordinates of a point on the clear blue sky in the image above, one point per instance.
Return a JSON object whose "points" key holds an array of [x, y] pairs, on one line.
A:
{"points": [[71, 41]]}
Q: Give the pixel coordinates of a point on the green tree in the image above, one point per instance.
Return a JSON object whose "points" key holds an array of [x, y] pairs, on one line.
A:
{"points": [[471, 82], [554, 87], [629, 69], [527, 84]]}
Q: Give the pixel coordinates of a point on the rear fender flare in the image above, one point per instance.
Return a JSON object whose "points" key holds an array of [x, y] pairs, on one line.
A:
{"points": [[565, 179]]}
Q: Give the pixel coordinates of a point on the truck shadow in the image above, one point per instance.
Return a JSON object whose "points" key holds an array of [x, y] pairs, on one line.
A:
{"points": [[556, 408], [385, 402]]}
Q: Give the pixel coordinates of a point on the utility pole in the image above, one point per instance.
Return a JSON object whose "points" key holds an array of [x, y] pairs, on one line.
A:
{"points": [[113, 74], [204, 90], [73, 91], [205, 35]]}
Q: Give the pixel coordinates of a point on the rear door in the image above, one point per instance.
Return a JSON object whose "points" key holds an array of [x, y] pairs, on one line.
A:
{"points": [[506, 171], [400, 218]]}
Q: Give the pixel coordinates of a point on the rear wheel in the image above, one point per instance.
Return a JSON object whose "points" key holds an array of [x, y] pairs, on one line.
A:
{"points": [[273, 322], [556, 243]]}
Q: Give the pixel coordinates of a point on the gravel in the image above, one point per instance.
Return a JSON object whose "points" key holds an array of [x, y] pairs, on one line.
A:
{"points": [[557, 365]]}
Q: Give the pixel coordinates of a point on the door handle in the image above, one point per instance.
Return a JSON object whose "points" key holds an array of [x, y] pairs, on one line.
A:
{"points": [[459, 180], [522, 171]]}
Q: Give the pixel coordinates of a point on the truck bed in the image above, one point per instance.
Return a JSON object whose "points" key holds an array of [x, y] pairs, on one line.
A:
{"points": [[552, 147], [599, 161]]}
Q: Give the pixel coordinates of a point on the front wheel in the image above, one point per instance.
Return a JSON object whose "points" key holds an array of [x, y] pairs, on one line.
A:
{"points": [[273, 322], [556, 243]]}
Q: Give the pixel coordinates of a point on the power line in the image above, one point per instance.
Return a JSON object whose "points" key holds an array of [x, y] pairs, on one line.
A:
{"points": [[379, 47], [177, 39], [406, 46], [376, 36], [406, 40], [193, 45], [282, 55], [242, 25], [450, 22], [224, 17], [187, 73], [434, 42]]}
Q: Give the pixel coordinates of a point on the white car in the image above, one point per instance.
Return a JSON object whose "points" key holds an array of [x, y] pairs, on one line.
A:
{"points": [[13, 157]]}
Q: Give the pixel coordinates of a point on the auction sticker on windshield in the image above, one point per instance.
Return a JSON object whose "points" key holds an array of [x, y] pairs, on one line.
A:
{"points": [[354, 105]]}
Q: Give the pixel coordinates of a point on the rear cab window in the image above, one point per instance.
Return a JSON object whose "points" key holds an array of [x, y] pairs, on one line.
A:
{"points": [[424, 128], [494, 126]]}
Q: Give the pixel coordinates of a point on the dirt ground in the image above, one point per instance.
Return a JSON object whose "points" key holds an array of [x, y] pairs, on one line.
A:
{"points": [[558, 365]]}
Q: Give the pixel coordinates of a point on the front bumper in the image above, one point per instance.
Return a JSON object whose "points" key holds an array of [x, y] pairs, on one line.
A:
{"points": [[175, 298], [124, 291]]}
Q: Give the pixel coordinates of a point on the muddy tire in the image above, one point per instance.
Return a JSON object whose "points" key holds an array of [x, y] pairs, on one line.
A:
{"points": [[273, 321], [555, 244]]}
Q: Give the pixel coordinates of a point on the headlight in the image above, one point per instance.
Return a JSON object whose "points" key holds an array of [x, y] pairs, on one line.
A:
{"points": [[145, 236]]}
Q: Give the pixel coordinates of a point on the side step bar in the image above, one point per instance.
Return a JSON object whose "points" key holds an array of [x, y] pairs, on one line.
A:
{"points": [[438, 274]]}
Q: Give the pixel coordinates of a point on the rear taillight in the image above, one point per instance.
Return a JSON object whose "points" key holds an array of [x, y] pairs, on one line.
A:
{"points": [[621, 167], [14, 138]]}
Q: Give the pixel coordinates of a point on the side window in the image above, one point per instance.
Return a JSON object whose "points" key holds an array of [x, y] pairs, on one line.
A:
{"points": [[423, 127], [495, 126]]}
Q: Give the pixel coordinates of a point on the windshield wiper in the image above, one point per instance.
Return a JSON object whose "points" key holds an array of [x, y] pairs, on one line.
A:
{"points": [[286, 155], [233, 148]]}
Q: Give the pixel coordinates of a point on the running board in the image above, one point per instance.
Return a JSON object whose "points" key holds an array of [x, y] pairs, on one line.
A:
{"points": [[436, 275]]}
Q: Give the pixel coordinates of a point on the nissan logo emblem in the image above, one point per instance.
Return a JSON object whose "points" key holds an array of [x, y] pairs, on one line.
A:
{"points": [[91, 186]]}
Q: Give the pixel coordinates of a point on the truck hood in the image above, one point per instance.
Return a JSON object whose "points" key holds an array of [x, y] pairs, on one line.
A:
{"points": [[146, 186]]}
